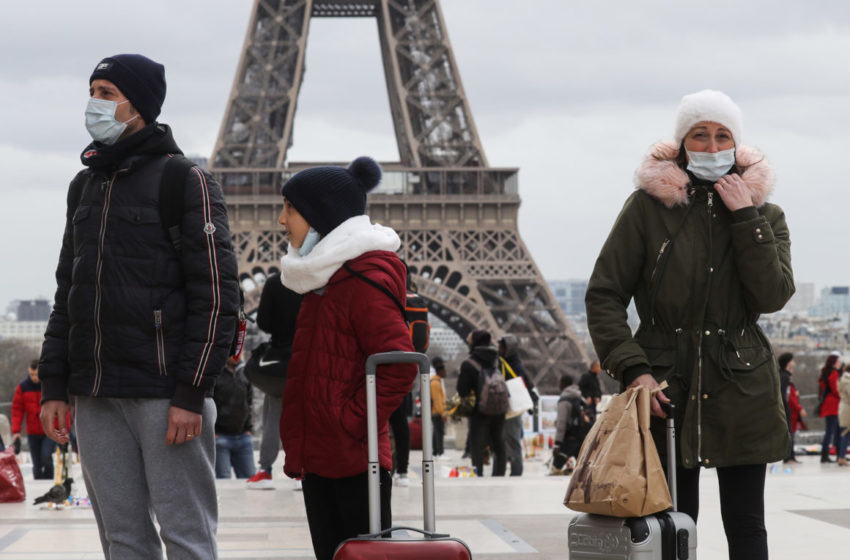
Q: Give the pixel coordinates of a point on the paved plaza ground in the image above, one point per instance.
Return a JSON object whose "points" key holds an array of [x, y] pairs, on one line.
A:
{"points": [[808, 517]]}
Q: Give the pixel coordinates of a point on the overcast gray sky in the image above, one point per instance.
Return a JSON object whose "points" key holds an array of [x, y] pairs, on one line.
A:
{"points": [[572, 93]]}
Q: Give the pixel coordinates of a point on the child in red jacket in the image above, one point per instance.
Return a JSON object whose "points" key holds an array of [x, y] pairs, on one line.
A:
{"points": [[343, 319], [26, 405]]}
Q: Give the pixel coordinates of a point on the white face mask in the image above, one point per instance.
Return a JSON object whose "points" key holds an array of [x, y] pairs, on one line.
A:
{"points": [[100, 120], [309, 242], [711, 167]]}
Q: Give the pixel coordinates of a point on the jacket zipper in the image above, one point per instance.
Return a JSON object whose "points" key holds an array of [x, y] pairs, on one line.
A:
{"points": [[699, 348], [658, 258], [98, 334], [160, 342], [655, 269]]}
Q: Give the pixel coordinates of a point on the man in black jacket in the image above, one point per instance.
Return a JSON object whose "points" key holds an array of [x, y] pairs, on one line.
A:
{"points": [[589, 385], [234, 399], [483, 429], [140, 325]]}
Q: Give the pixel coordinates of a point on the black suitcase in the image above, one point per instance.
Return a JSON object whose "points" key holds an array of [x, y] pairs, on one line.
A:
{"points": [[669, 535]]}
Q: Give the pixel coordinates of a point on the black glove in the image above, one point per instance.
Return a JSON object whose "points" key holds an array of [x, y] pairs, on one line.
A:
{"points": [[17, 445]]}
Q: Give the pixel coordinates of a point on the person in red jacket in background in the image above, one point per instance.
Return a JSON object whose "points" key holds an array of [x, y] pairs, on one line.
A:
{"points": [[354, 288], [828, 391], [26, 406]]}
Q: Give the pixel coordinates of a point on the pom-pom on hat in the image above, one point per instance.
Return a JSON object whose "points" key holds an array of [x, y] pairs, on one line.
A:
{"points": [[139, 78], [329, 195], [708, 105]]}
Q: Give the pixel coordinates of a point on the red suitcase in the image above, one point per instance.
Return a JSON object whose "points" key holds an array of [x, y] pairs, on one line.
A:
{"points": [[424, 545]]}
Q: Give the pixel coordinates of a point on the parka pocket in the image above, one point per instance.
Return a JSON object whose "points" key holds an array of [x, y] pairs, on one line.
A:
{"points": [[663, 362], [160, 342], [742, 366]]}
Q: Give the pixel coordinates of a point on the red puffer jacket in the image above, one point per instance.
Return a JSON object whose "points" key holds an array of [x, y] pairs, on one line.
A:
{"points": [[323, 424], [27, 404]]}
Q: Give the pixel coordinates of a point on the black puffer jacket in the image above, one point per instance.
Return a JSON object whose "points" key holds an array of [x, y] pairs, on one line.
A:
{"points": [[132, 318]]}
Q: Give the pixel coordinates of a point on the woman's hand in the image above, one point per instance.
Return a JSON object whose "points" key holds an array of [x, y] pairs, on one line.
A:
{"points": [[733, 191], [649, 381]]}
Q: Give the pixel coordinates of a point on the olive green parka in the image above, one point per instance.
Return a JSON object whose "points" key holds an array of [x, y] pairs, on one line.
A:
{"points": [[700, 276]]}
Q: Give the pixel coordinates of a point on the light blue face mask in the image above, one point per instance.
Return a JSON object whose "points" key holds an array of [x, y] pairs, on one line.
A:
{"points": [[711, 167], [309, 242], [101, 122]]}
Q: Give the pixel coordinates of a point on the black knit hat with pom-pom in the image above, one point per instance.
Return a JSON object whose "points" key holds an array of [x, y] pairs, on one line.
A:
{"points": [[329, 195]]}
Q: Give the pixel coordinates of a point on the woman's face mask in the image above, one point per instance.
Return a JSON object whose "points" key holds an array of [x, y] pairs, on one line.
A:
{"points": [[101, 122], [711, 166]]}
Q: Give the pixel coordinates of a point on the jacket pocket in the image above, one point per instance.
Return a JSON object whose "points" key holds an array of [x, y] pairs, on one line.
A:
{"points": [[80, 222], [746, 367], [663, 362], [160, 342]]}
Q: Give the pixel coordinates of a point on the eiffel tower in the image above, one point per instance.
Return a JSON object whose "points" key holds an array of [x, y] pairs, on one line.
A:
{"points": [[456, 215]]}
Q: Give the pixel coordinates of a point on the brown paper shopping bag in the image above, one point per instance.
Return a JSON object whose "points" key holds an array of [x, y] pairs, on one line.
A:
{"points": [[618, 471]]}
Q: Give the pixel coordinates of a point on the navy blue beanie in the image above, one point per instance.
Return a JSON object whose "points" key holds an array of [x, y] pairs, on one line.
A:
{"points": [[139, 78], [329, 195]]}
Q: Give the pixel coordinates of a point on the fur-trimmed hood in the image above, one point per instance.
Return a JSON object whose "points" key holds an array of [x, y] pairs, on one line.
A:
{"points": [[660, 176]]}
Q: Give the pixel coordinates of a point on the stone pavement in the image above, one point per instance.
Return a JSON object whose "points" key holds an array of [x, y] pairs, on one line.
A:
{"points": [[808, 517]]}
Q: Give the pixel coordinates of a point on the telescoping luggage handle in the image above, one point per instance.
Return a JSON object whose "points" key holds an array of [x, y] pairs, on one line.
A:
{"points": [[668, 409], [372, 363]]}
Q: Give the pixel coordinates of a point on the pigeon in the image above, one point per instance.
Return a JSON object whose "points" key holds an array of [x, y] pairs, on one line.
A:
{"points": [[56, 495]]}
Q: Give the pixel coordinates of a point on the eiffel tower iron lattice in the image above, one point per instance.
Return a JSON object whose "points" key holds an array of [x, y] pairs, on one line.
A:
{"points": [[456, 216]]}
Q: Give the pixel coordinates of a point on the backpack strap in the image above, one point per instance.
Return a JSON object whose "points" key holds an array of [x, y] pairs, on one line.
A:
{"points": [[368, 280], [474, 364], [172, 187]]}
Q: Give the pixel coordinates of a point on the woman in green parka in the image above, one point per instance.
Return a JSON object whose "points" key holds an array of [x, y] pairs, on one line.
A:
{"points": [[703, 254]]}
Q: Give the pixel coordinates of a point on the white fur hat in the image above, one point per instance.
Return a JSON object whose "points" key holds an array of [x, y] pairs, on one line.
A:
{"points": [[708, 105]]}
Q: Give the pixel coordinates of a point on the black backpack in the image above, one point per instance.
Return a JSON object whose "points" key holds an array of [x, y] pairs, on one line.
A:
{"points": [[233, 402], [581, 419], [416, 315]]}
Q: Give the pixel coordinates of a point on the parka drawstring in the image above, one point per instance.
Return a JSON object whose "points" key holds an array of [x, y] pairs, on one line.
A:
{"points": [[725, 369]]}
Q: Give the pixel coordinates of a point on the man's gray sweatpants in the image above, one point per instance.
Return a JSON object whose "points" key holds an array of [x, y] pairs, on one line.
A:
{"points": [[132, 477], [270, 440]]}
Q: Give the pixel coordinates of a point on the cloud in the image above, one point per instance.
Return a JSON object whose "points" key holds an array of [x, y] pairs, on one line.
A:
{"points": [[571, 93]]}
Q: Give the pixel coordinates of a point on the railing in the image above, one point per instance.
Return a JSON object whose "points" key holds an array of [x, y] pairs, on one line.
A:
{"points": [[468, 181]]}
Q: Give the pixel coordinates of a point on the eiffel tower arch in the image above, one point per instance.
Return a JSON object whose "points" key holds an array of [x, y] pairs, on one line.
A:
{"points": [[456, 215]]}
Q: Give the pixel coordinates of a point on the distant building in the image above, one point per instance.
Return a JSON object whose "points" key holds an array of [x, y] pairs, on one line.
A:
{"points": [[29, 332], [834, 301], [33, 310], [570, 295]]}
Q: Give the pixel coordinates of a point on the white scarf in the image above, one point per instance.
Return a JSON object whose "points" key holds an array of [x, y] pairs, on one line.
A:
{"points": [[347, 241]]}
